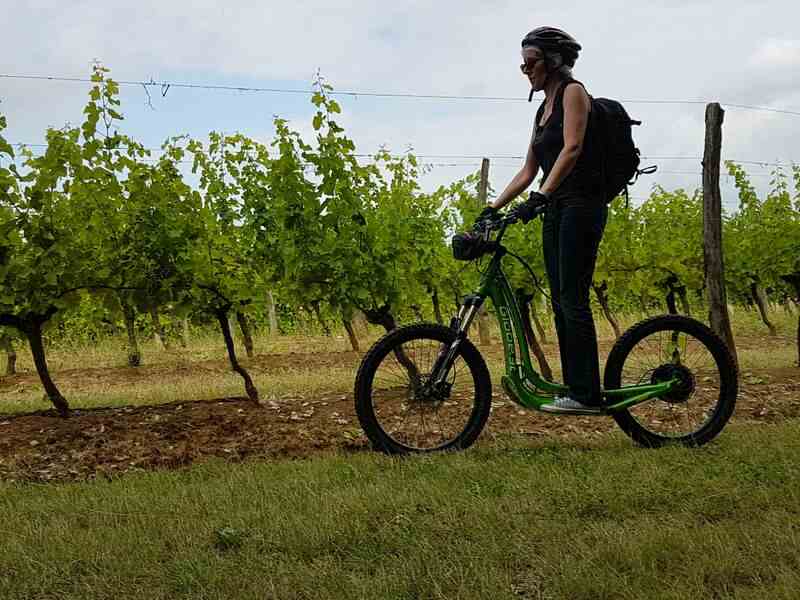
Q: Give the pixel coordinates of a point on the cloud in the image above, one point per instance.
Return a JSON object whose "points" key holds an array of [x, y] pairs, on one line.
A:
{"points": [[782, 54], [660, 50]]}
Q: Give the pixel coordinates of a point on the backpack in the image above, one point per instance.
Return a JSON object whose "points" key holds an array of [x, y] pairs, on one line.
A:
{"points": [[618, 156], [613, 145]]}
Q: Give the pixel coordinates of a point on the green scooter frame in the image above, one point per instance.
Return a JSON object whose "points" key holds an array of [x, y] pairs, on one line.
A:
{"points": [[521, 381]]}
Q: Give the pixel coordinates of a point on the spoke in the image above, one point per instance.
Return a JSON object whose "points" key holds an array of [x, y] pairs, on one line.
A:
{"points": [[689, 420], [442, 438], [401, 370], [390, 375], [646, 356], [408, 410], [704, 354], [422, 420]]}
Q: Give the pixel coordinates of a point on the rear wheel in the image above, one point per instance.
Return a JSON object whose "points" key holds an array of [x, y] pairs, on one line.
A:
{"points": [[674, 347], [400, 409]]}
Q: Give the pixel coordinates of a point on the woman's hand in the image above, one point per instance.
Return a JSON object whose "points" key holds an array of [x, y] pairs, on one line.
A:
{"points": [[531, 207], [487, 213]]}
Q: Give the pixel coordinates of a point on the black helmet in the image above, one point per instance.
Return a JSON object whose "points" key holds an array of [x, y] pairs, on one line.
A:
{"points": [[551, 39]]}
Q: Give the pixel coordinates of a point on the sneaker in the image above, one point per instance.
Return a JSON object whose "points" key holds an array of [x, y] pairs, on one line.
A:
{"points": [[565, 404]]}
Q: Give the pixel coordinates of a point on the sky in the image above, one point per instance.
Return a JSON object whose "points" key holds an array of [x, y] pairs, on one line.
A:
{"points": [[731, 52]]}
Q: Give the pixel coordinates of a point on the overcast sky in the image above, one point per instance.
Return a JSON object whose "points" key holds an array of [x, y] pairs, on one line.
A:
{"points": [[733, 52]]}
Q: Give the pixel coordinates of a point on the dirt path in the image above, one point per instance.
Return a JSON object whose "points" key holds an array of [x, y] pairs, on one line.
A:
{"points": [[108, 442]]}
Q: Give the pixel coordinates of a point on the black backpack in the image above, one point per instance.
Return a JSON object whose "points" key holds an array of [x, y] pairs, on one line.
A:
{"points": [[613, 144]]}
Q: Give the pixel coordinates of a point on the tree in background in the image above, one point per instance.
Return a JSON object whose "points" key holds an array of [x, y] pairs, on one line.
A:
{"points": [[347, 234], [459, 207], [618, 262], [52, 241], [221, 274], [671, 245], [762, 242]]}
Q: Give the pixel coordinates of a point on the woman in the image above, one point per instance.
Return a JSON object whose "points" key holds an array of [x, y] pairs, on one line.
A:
{"points": [[576, 213]]}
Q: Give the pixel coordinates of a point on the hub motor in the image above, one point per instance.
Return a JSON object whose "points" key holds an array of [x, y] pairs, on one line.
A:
{"points": [[681, 391]]}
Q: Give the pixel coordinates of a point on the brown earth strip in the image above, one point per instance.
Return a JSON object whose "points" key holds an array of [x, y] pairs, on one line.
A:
{"points": [[42, 447]]}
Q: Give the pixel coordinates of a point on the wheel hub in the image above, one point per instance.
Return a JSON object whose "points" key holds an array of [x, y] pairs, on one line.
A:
{"points": [[431, 393], [682, 389]]}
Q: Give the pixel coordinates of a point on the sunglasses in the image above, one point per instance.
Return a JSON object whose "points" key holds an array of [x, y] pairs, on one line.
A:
{"points": [[527, 67]]}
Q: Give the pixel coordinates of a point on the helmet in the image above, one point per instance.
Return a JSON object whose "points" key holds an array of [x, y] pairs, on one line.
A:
{"points": [[551, 39]]}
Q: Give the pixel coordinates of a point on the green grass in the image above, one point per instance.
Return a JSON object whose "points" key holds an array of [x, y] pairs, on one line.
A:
{"points": [[191, 386], [756, 351], [511, 519], [207, 344], [204, 344]]}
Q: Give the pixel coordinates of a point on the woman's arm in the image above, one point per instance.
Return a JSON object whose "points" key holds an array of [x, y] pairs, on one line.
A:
{"points": [[576, 117], [521, 180]]}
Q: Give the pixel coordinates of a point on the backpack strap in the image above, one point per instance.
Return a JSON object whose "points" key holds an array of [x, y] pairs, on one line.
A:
{"points": [[562, 89], [559, 99]]}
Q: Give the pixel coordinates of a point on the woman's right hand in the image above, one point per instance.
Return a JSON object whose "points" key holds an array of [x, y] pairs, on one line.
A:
{"points": [[531, 207], [488, 213]]}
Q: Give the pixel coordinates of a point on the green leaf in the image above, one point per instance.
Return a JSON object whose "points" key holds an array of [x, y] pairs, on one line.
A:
{"points": [[5, 147]]}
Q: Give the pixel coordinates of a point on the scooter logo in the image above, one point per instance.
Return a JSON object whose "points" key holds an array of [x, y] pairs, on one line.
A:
{"points": [[507, 326]]}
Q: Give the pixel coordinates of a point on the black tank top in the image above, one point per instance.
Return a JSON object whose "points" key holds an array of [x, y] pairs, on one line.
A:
{"points": [[583, 184]]}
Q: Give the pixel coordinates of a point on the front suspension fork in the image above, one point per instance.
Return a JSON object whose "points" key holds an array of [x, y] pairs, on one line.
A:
{"points": [[447, 354]]}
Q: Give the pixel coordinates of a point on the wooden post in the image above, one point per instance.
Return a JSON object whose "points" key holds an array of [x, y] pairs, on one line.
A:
{"points": [[483, 185], [483, 317], [273, 319], [158, 328], [247, 334], [7, 345], [712, 229]]}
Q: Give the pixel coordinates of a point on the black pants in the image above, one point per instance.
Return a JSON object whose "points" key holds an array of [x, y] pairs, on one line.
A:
{"points": [[571, 237]]}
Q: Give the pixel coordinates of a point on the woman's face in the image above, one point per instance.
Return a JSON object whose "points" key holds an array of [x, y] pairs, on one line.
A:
{"points": [[533, 67]]}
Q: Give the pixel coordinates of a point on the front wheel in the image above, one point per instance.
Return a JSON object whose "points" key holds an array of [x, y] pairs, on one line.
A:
{"points": [[399, 408], [669, 347]]}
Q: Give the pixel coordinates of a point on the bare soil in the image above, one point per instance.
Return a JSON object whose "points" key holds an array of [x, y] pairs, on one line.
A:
{"points": [[42, 447]]}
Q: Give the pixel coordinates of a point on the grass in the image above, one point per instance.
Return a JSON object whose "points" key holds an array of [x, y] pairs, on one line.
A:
{"points": [[192, 385], [207, 344], [757, 351], [511, 519], [204, 344]]}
